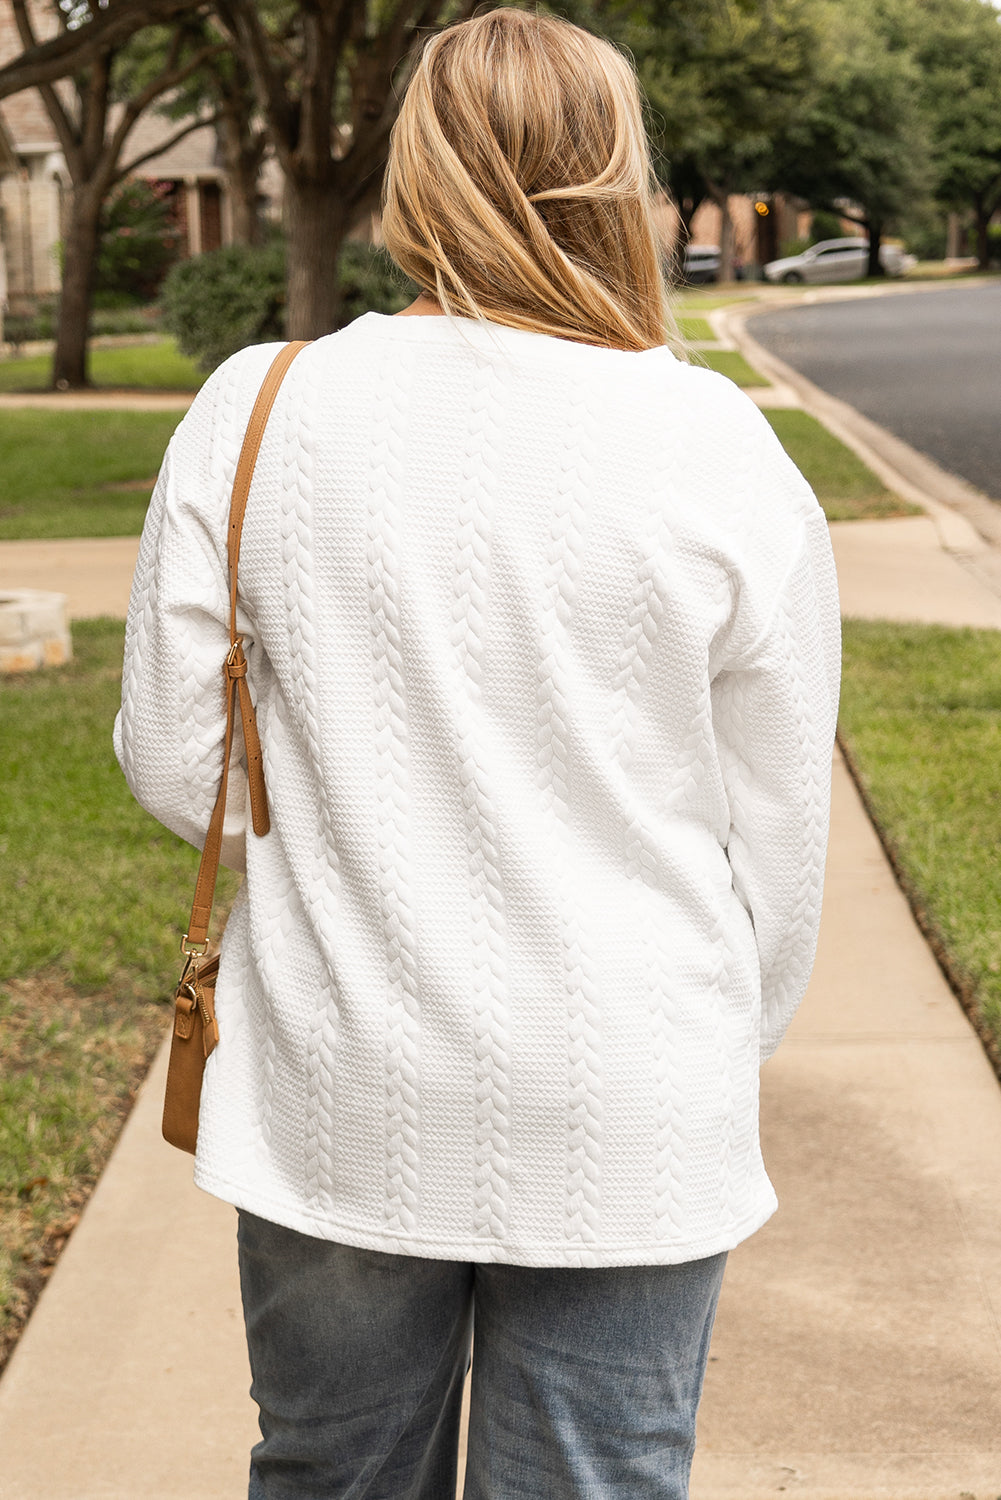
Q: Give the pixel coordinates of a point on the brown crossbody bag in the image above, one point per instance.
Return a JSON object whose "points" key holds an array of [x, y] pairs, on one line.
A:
{"points": [[196, 1030]]}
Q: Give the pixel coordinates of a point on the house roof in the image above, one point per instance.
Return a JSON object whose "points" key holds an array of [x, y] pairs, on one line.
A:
{"points": [[25, 117]]}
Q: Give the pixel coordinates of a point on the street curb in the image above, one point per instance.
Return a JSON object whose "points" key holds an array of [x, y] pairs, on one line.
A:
{"points": [[967, 521]]}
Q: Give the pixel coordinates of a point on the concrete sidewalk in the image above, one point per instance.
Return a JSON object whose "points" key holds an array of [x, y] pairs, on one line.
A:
{"points": [[94, 573], [858, 1347]]}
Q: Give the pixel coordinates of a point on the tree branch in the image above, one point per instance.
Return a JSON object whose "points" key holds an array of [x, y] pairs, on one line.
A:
{"points": [[159, 85], [317, 74], [376, 103], [94, 109], [166, 145], [62, 123], [44, 62], [240, 18]]}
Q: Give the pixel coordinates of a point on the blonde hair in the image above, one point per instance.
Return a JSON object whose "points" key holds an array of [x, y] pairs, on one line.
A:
{"points": [[519, 186]]}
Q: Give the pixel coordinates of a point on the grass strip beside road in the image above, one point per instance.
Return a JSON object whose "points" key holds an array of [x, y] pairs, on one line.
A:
{"points": [[921, 720], [95, 898], [731, 363], [694, 300], [692, 327], [846, 488], [79, 473], [158, 367]]}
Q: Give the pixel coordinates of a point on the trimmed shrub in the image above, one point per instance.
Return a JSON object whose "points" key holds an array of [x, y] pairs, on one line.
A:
{"points": [[125, 320], [29, 318], [217, 303], [370, 282]]}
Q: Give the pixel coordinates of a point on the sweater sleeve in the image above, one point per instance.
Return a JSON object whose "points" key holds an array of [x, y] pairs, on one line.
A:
{"points": [[775, 712], [170, 732]]}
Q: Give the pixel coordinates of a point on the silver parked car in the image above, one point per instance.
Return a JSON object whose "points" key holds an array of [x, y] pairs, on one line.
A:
{"points": [[700, 264], [837, 260]]}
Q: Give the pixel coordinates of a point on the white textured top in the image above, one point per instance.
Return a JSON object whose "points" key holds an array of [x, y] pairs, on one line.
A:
{"points": [[544, 642]]}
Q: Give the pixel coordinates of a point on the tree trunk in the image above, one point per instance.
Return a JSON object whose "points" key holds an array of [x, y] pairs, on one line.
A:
{"points": [[83, 239], [726, 239], [875, 266], [315, 224], [983, 242], [242, 152]]}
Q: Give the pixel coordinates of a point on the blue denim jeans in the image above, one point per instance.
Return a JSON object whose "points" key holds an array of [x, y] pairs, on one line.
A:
{"points": [[585, 1383]]}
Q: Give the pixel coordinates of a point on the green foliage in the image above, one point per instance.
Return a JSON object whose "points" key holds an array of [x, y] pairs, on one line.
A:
{"points": [[35, 319], [370, 282], [861, 135], [921, 712], [825, 225], [958, 46], [722, 80], [139, 241], [218, 303], [925, 235], [30, 318], [795, 247], [124, 320]]}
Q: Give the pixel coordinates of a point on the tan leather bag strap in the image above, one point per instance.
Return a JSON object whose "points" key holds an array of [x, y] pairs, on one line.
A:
{"points": [[195, 940]]}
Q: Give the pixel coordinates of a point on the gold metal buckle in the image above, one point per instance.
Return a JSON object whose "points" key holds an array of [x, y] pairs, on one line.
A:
{"points": [[231, 654], [194, 950]]}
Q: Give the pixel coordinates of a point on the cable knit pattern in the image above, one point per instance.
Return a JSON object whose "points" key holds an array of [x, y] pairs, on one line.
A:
{"points": [[321, 891], [584, 1083], [468, 637], [544, 643], [646, 616], [387, 486]]}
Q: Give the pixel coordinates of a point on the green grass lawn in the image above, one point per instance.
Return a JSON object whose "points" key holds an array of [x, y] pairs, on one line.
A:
{"points": [[95, 897], [144, 366], [79, 473], [691, 300], [693, 327], [731, 363], [845, 487], [921, 717]]}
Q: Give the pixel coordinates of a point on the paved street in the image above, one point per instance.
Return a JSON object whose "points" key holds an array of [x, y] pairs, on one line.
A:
{"points": [[928, 367]]}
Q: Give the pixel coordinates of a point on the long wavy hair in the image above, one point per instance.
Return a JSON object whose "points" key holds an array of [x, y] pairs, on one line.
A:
{"points": [[519, 187]]}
